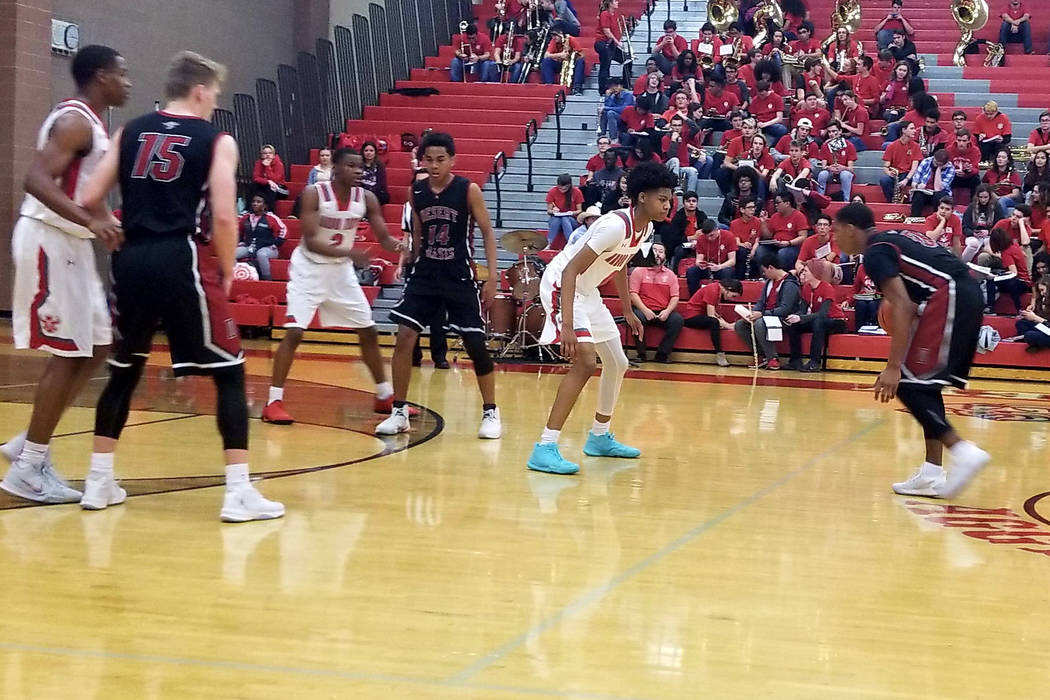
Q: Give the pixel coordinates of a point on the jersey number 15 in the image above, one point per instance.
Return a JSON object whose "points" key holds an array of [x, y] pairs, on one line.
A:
{"points": [[158, 158]]}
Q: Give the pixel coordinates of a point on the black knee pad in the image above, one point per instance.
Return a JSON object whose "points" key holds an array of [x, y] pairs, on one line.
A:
{"points": [[474, 343], [926, 404], [232, 407], [115, 401]]}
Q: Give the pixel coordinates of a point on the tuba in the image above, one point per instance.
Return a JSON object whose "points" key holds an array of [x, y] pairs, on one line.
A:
{"points": [[994, 59], [768, 11], [721, 13], [846, 14], [971, 16]]}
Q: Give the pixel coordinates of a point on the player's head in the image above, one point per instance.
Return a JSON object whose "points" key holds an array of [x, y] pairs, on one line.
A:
{"points": [[102, 70], [650, 188], [258, 204], [347, 166], [439, 154], [853, 224], [196, 81]]}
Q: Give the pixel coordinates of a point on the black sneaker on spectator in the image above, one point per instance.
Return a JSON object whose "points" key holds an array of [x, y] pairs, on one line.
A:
{"points": [[794, 365], [811, 366]]}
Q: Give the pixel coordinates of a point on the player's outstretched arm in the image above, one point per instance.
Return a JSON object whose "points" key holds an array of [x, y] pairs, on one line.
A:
{"points": [[222, 190], [374, 214], [480, 213], [902, 313]]}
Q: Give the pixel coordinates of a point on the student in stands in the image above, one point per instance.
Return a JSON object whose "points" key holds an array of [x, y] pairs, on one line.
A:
{"points": [[1019, 225], [1016, 26], [820, 313], [477, 56], [866, 88], [779, 298], [866, 300], [1003, 176], [587, 217], [654, 298], [718, 106], [958, 120], [807, 47], [795, 16], [1037, 313], [899, 162], [761, 160], [796, 167], [679, 148], [564, 19], [679, 105], [893, 21], [715, 256], [373, 178], [966, 158], [708, 48], [787, 228], [668, 47], [687, 75], [736, 86], [812, 111], [776, 48], [617, 198], [1038, 171], [616, 101], [261, 235], [597, 161], [736, 150], [903, 49], [1039, 201], [1039, 139], [978, 220], [930, 136], [844, 46], [747, 229], [503, 52], [744, 186], [322, 172], [609, 42], [1006, 256], [854, 120], [768, 109], [701, 312], [650, 68], [642, 152], [836, 159], [559, 49], [895, 97], [992, 129], [655, 95], [811, 80], [802, 133], [606, 180], [564, 204], [681, 233], [945, 227], [636, 123], [931, 182], [268, 176], [822, 238]]}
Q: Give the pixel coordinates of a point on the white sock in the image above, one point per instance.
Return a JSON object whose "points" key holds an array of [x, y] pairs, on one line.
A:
{"points": [[929, 469], [549, 437], [102, 463], [384, 390], [33, 453], [236, 476], [600, 428], [13, 447], [276, 394]]}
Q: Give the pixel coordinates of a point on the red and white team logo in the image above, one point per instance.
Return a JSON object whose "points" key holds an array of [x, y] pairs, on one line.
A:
{"points": [[49, 323]]}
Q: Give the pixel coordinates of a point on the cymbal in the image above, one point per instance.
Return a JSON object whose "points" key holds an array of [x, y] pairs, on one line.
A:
{"points": [[519, 241]]}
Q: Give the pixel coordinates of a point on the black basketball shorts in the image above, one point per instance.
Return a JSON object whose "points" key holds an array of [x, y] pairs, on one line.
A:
{"points": [[424, 299]]}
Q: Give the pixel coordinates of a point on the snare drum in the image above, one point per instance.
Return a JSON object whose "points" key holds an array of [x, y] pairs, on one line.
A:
{"points": [[501, 316], [533, 319], [524, 278]]}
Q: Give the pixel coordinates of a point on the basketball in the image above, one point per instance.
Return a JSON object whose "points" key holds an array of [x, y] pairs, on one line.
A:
{"points": [[245, 271], [885, 309]]}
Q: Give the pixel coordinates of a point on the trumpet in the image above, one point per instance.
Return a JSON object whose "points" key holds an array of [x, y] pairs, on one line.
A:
{"points": [[625, 32]]}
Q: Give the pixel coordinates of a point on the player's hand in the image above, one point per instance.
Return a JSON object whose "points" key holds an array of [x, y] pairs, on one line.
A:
{"points": [[109, 231], [649, 315], [793, 318], [569, 342], [886, 384], [359, 257], [488, 294], [635, 324], [399, 273], [393, 245]]}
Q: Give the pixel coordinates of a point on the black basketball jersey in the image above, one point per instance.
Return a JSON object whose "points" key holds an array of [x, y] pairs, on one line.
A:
{"points": [[922, 264], [164, 164], [448, 231]]}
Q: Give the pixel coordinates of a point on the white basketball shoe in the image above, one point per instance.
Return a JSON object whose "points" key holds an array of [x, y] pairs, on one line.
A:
{"points": [[244, 503]]}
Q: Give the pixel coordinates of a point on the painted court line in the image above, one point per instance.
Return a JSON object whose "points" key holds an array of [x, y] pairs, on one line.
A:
{"points": [[596, 594]]}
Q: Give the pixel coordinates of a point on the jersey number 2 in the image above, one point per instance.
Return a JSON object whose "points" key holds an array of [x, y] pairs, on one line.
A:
{"points": [[158, 158]]}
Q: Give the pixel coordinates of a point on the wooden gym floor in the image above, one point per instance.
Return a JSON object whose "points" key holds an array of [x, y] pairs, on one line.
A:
{"points": [[755, 551]]}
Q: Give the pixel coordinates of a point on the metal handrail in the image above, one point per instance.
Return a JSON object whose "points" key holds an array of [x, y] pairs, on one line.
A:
{"points": [[531, 134], [497, 175], [650, 5], [559, 107]]}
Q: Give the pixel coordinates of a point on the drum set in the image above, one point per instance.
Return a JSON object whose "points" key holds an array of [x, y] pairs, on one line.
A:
{"points": [[516, 320]]}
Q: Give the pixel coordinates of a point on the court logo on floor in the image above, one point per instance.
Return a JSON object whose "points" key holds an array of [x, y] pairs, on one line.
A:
{"points": [[998, 526]]}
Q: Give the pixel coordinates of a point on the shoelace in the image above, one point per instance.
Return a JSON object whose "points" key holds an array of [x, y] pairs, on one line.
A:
{"points": [[490, 413]]}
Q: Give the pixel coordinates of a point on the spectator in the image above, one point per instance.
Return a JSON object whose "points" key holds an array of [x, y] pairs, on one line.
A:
{"points": [[854, 119], [745, 186], [473, 52], [747, 229], [1016, 26], [811, 80], [558, 51], [606, 180], [608, 41], [776, 49], [654, 94], [642, 152], [373, 177], [945, 227], [796, 167], [966, 158], [779, 298], [899, 162], [587, 217], [679, 149], [683, 230], [261, 236], [806, 48], [669, 47], [616, 101], [895, 97], [1003, 176], [761, 160], [866, 87], [787, 228], [679, 105], [1037, 313], [597, 161], [637, 122], [322, 172], [701, 312], [903, 49], [737, 87], [866, 301], [564, 204], [930, 136], [978, 220], [268, 176], [507, 56], [836, 157], [768, 109], [719, 105], [858, 198], [685, 75], [822, 238], [931, 182], [844, 46], [715, 256], [1039, 139], [617, 199], [820, 313], [812, 111], [958, 120], [651, 67], [795, 16], [1006, 255], [1038, 200], [563, 19], [654, 298], [803, 133], [882, 68], [894, 20], [1038, 171], [1019, 226], [708, 49], [992, 130], [736, 150]]}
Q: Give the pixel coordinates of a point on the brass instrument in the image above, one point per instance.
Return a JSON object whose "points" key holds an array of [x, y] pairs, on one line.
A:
{"points": [[994, 59], [899, 196], [721, 13], [846, 14], [707, 63], [971, 16], [464, 46], [737, 57], [539, 37], [499, 22], [1021, 154], [768, 11], [508, 56], [568, 66], [625, 32]]}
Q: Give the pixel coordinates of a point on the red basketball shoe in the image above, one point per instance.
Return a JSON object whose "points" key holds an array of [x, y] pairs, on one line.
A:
{"points": [[275, 413], [386, 406]]}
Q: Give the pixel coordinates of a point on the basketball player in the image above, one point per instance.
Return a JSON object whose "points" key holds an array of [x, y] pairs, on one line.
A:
{"points": [[59, 305], [171, 166], [322, 278], [936, 311], [440, 271], [579, 319]]}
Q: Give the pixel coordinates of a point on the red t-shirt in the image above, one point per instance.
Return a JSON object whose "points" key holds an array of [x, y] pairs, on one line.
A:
{"points": [[785, 49], [857, 118], [953, 230], [883, 74], [984, 127], [819, 116], [596, 162], [786, 228], [1014, 256], [735, 90], [608, 20], [965, 162], [791, 169], [773, 294], [1039, 138], [745, 231], [519, 43], [764, 161], [1015, 12], [721, 105], [655, 285], [900, 155], [555, 46], [840, 156], [737, 147], [709, 294], [809, 248], [867, 87], [766, 107], [799, 46], [679, 150], [557, 198], [718, 250], [481, 44], [728, 136], [815, 298], [811, 150], [1004, 183], [679, 43], [1010, 226], [714, 51], [634, 121]]}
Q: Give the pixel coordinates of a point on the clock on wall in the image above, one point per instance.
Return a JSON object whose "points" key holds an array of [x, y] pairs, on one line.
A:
{"points": [[65, 37]]}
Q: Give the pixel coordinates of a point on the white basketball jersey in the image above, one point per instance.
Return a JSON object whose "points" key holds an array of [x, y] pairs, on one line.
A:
{"points": [[613, 238], [77, 174], [338, 221]]}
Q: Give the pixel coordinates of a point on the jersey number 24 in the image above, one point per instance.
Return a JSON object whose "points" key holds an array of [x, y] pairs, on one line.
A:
{"points": [[158, 157]]}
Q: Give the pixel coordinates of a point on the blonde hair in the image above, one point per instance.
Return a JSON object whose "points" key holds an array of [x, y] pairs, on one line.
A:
{"points": [[991, 104], [189, 69]]}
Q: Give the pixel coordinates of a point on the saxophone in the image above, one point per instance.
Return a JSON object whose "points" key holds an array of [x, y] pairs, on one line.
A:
{"points": [[567, 68], [899, 196], [508, 55]]}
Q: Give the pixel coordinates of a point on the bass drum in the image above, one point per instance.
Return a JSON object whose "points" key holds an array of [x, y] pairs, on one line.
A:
{"points": [[501, 317], [524, 279], [533, 318]]}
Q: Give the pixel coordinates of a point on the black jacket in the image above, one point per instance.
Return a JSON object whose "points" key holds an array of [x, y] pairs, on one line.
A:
{"points": [[674, 232], [789, 296]]}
